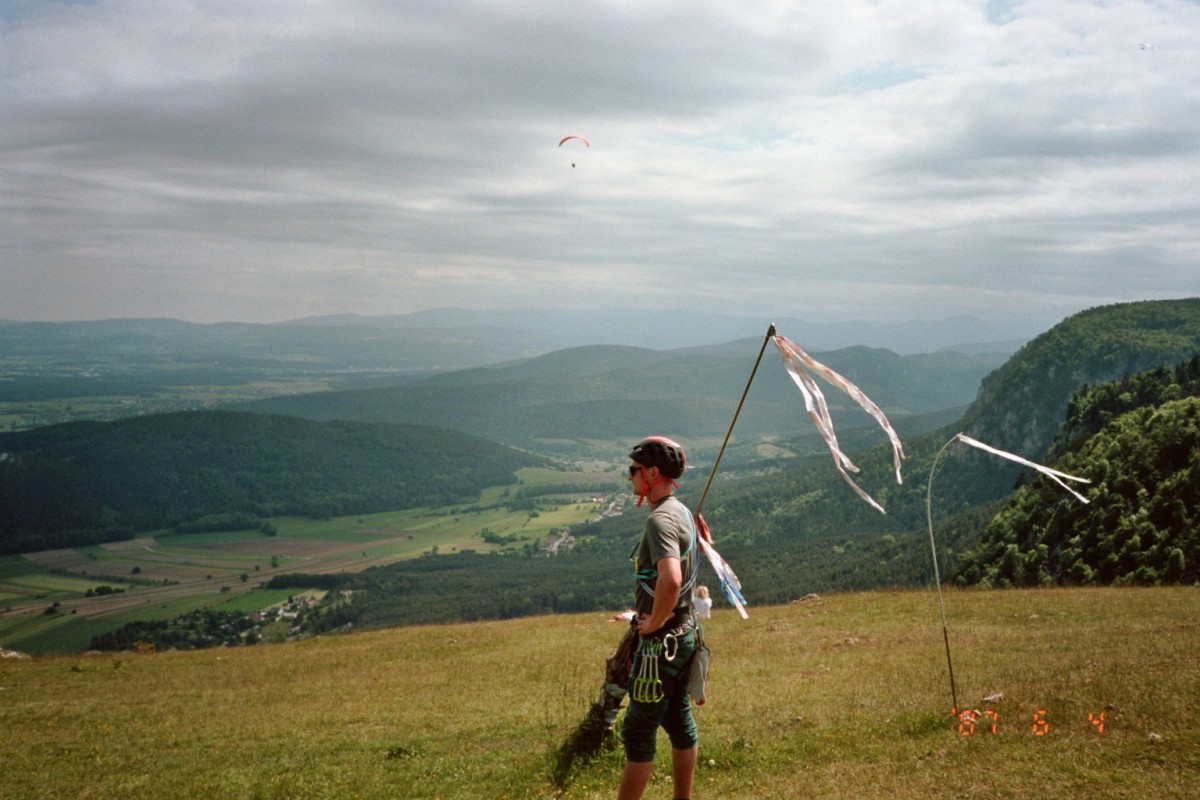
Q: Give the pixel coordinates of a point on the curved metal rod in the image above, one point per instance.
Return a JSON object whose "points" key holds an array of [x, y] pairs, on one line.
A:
{"points": [[937, 580]]}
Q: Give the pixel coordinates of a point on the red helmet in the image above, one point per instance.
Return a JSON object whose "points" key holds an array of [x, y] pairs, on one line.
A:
{"points": [[661, 452]]}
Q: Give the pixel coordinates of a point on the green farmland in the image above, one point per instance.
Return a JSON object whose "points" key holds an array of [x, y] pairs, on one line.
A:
{"points": [[53, 601]]}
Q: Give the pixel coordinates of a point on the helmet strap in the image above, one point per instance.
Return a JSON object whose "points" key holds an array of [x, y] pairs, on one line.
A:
{"points": [[647, 486]]}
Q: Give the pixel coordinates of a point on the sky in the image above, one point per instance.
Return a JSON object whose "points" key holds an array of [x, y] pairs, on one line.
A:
{"points": [[887, 160]]}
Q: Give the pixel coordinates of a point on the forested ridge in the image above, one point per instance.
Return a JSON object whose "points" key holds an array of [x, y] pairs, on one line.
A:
{"points": [[1138, 441], [610, 393], [1020, 405], [89, 482]]}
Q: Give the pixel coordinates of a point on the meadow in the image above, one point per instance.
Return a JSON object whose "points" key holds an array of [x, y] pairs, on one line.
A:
{"points": [[845, 694]]}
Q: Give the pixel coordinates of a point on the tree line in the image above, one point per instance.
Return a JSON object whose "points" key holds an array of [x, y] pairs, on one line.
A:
{"points": [[86, 483]]}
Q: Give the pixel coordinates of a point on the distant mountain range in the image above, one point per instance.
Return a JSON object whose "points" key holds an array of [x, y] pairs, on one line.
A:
{"points": [[349, 346], [340, 452], [668, 329], [572, 401]]}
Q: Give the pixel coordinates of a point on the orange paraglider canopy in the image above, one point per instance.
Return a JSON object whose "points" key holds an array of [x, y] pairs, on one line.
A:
{"points": [[586, 143]]}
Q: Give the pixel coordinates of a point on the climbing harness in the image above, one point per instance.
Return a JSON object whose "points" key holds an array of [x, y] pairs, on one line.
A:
{"points": [[647, 686], [647, 574]]}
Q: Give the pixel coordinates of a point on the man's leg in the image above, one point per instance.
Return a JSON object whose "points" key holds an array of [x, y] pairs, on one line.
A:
{"points": [[683, 770], [634, 779], [639, 731]]}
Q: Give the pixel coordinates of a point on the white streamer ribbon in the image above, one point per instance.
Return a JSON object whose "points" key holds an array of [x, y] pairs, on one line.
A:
{"points": [[1049, 472], [795, 360]]}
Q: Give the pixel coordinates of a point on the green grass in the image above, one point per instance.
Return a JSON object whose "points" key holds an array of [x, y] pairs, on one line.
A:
{"points": [[847, 695], [192, 540], [52, 586], [12, 566], [255, 601], [42, 633], [62, 633]]}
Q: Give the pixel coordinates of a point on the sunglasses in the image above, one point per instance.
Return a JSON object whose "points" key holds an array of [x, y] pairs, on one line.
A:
{"points": [[634, 469]]}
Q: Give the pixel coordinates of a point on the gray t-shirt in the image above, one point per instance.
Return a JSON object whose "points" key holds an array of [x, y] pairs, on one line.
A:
{"points": [[668, 532]]}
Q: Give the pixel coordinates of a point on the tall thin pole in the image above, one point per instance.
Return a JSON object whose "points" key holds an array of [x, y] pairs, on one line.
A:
{"points": [[937, 580], [728, 433]]}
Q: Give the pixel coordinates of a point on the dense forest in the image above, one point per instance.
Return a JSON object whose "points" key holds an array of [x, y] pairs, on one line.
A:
{"points": [[90, 482], [1138, 441]]}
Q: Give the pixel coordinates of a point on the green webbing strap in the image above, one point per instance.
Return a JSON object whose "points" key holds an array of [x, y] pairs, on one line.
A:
{"points": [[644, 574]]}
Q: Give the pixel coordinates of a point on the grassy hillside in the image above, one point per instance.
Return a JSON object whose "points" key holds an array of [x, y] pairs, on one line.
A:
{"points": [[845, 694]]}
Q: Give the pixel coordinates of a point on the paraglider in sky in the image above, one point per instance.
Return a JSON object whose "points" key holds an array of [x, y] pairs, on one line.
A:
{"points": [[566, 139]]}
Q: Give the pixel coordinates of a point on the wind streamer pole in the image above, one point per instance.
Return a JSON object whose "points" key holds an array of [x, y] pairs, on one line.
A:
{"points": [[736, 413], [730, 585]]}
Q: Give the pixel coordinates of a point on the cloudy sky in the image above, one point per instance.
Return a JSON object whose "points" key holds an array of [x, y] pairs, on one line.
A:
{"points": [[886, 159]]}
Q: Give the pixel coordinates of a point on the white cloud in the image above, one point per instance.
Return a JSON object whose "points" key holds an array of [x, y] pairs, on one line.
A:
{"points": [[261, 160]]}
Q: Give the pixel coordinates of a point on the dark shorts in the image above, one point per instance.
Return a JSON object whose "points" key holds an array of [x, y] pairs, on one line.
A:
{"points": [[673, 713]]}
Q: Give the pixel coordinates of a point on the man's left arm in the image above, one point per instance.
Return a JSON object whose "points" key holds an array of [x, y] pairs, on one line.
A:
{"points": [[666, 595]]}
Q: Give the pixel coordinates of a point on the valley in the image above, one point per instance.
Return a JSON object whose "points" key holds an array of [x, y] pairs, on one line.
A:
{"points": [[44, 605]]}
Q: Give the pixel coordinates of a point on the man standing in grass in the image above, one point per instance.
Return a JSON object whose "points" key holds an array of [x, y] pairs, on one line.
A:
{"points": [[665, 561]]}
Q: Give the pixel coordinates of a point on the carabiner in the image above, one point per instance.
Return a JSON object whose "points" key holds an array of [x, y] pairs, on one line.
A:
{"points": [[670, 646]]}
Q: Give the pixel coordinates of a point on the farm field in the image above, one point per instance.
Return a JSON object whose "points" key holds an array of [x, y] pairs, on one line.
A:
{"points": [[44, 602], [805, 700]]}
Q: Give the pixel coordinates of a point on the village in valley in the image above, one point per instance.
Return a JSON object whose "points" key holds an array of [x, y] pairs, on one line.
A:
{"points": [[204, 628]]}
